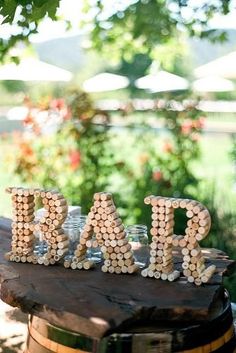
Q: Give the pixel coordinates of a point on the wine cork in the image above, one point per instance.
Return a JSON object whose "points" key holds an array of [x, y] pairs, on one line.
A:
{"points": [[176, 240], [114, 256], [88, 264], [147, 199], [62, 252], [63, 244], [196, 252], [128, 255], [189, 214], [59, 202], [168, 203], [173, 276], [117, 270], [207, 274], [182, 243], [190, 205], [106, 203], [164, 276], [190, 279], [132, 268], [144, 272], [110, 210], [154, 231], [157, 274], [105, 196], [198, 281], [186, 272], [204, 214], [198, 208], [185, 251], [124, 269], [175, 203], [167, 269]]}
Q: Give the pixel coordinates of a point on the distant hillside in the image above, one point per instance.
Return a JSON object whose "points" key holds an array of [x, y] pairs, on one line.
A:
{"points": [[69, 54], [204, 51], [63, 52]]}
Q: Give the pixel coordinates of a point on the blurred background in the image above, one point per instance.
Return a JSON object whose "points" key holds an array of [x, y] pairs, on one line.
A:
{"points": [[133, 97]]}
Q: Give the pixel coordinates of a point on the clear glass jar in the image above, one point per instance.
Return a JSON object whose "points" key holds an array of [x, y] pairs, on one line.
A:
{"points": [[81, 222], [40, 244], [94, 254], [72, 230], [138, 239]]}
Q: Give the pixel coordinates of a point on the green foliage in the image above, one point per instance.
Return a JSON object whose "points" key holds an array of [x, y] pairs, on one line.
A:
{"points": [[223, 232], [122, 30], [134, 69], [29, 15], [82, 155], [145, 24], [163, 165], [74, 156], [233, 151]]}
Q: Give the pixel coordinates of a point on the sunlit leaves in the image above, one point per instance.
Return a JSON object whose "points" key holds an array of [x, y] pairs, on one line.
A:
{"points": [[8, 9], [142, 25], [124, 28], [26, 15]]}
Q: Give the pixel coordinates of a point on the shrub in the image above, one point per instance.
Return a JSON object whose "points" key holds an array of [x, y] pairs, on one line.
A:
{"points": [[68, 144]]}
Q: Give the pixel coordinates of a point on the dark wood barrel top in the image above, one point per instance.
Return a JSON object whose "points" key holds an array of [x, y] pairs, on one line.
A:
{"points": [[96, 304]]}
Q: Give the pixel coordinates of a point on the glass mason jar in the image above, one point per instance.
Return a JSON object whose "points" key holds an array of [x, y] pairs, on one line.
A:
{"points": [[138, 239], [40, 244], [71, 229], [94, 254]]}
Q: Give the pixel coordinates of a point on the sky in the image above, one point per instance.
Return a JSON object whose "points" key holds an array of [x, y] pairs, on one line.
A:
{"points": [[72, 10]]}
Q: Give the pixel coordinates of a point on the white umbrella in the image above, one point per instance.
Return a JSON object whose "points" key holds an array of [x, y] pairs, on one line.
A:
{"points": [[225, 66], [105, 82], [163, 81], [213, 84], [31, 69]]}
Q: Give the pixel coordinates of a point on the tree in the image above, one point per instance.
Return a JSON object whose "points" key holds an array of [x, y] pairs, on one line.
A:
{"points": [[126, 27], [26, 15]]}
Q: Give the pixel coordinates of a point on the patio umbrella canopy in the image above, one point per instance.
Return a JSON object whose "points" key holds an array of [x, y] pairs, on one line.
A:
{"points": [[163, 81], [31, 69], [213, 84], [224, 66], [105, 82]]}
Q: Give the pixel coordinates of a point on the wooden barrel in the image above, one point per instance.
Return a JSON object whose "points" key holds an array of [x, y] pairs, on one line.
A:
{"points": [[216, 335]]}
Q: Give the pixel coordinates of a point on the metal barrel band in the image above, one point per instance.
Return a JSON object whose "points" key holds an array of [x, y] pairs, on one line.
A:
{"points": [[51, 345], [215, 345], [194, 336], [62, 336]]}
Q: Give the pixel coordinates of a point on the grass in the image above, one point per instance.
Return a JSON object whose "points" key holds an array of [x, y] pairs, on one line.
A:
{"points": [[6, 179], [216, 167]]}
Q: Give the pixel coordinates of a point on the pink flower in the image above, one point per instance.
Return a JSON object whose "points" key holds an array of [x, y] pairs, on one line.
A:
{"points": [[186, 127], [199, 123], [157, 175], [75, 159], [66, 114], [58, 103]]}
